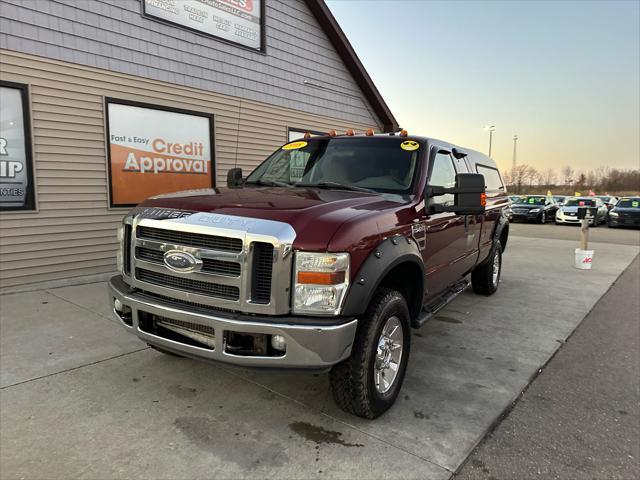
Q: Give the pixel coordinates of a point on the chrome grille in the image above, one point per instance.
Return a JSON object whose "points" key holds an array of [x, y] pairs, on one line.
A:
{"points": [[242, 264], [262, 264], [175, 302], [213, 242], [218, 267], [126, 252], [226, 292]]}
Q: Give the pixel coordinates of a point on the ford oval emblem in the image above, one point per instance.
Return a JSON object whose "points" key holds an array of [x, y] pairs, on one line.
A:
{"points": [[182, 262]]}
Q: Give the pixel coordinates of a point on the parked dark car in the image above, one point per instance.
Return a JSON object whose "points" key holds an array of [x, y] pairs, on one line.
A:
{"points": [[534, 208], [608, 200], [568, 213], [626, 213]]}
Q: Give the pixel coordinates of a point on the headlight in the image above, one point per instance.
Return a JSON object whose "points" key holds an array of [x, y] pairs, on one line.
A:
{"points": [[321, 282], [534, 210], [613, 214], [560, 213]]}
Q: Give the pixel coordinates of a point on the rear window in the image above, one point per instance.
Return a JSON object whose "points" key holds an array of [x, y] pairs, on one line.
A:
{"points": [[491, 177]]}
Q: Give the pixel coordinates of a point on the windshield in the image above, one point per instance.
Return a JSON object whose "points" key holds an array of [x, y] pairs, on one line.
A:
{"points": [[535, 200], [629, 203], [385, 165], [580, 202]]}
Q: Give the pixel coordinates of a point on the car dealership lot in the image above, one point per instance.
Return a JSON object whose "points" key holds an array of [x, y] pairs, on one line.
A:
{"points": [[82, 398]]}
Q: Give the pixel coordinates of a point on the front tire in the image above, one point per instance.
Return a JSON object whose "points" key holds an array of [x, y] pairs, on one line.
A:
{"points": [[369, 381], [543, 218], [486, 278]]}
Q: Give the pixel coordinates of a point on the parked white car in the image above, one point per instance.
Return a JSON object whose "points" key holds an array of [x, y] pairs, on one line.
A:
{"points": [[568, 213]]}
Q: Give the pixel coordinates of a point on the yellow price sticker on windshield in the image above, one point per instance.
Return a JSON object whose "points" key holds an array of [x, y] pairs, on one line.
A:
{"points": [[409, 145], [294, 145]]}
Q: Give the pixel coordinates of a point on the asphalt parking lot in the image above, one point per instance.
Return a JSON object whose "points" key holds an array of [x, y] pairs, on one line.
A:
{"points": [[82, 398], [580, 418]]}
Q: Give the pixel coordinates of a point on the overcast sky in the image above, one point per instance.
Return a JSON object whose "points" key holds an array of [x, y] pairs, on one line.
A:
{"points": [[564, 76]]}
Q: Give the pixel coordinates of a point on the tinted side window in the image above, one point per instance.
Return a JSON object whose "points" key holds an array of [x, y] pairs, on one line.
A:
{"points": [[461, 165], [443, 174], [491, 177]]}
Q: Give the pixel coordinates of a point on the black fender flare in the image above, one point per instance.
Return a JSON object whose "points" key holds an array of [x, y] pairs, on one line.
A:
{"points": [[387, 255], [501, 224]]}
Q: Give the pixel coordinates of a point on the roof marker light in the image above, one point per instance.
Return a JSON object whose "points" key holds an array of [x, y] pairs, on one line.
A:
{"points": [[369, 132], [332, 133], [350, 132], [307, 135], [403, 133]]}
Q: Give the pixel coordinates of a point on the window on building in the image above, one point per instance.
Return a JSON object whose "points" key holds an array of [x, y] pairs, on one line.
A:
{"points": [[16, 169]]}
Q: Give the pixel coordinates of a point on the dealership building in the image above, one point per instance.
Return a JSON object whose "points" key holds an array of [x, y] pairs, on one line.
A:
{"points": [[106, 102]]}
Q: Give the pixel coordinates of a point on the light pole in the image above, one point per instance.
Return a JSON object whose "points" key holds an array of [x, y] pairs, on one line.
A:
{"points": [[515, 141], [490, 128]]}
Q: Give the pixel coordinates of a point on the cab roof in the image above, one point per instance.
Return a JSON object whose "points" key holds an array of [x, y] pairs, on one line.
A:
{"points": [[418, 138]]}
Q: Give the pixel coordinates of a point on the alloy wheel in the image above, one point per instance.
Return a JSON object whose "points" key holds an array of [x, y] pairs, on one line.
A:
{"points": [[388, 355], [495, 274]]}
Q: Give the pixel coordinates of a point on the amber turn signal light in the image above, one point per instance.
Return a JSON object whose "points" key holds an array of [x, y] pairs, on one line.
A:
{"points": [[307, 135], [403, 133], [350, 132], [483, 199], [369, 132], [321, 278], [333, 133]]}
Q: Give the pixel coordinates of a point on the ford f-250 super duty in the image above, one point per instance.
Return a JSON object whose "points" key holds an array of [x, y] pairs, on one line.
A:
{"points": [[324, 257]]}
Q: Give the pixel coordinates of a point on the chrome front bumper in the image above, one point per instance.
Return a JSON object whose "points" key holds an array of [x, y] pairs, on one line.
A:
{"points": [[310, 345]]}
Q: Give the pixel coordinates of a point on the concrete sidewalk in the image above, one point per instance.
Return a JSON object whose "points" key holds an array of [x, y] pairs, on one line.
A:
{"points": [[581, 417], [82, 398]]}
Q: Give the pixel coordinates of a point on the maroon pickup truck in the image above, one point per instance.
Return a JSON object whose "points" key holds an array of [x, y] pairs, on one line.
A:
{"points": [[323, 258]]}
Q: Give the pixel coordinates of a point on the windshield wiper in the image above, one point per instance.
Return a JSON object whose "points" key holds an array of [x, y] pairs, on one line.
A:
{"points": [[336, 186], [270, 183]]}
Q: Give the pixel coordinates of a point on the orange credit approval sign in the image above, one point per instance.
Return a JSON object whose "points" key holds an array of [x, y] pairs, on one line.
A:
{"points": [[155, 151]]}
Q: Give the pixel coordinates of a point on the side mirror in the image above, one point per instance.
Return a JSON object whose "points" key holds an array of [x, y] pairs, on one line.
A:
{"points": [[469, 195], [234, 177]]}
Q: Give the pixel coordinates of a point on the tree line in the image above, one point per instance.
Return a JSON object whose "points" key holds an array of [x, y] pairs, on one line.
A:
{"points": [[524, 179]]}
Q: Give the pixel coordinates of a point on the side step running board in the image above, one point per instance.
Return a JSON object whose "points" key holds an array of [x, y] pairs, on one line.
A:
{"points": [[429, 311]]}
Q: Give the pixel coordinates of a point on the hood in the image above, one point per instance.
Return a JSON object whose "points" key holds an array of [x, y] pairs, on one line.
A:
{"points": [[315, 214], [627, 211], [569, 209], [526, 206]]}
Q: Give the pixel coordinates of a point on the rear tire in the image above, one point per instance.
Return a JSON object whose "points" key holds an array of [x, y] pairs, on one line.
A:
{"points": [[358, 384], [486, 278]]}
